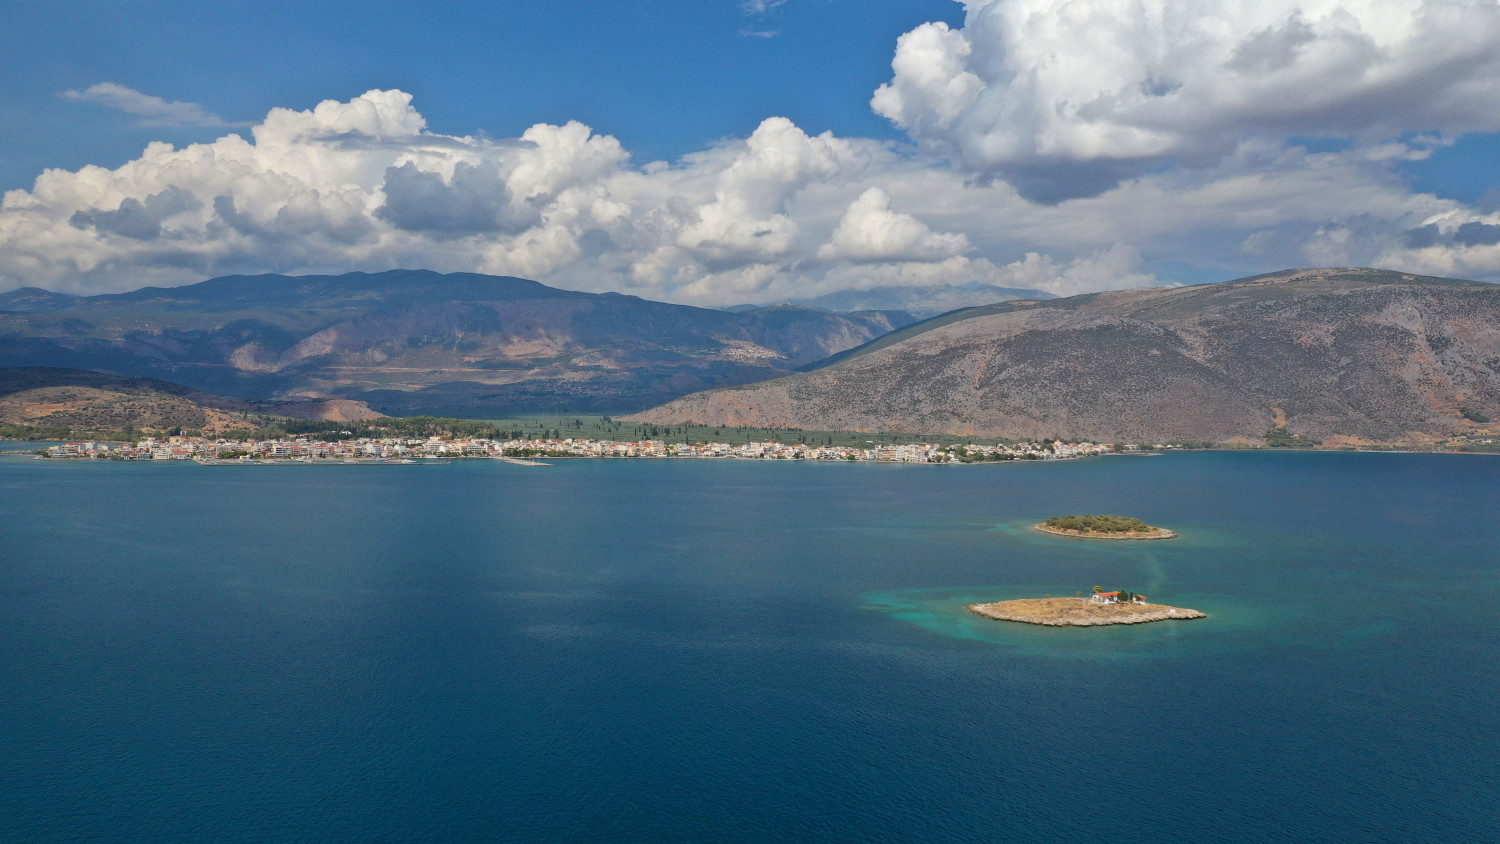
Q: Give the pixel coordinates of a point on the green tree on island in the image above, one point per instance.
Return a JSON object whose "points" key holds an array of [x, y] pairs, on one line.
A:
{"points": [[1099, 524]]}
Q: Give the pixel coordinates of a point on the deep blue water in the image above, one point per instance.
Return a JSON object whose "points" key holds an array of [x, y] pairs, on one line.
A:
{"points": [[691, 651]]}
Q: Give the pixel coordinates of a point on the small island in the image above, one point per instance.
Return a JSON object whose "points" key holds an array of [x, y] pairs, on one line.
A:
{"points": [[1101, 608], [1103, 527]]}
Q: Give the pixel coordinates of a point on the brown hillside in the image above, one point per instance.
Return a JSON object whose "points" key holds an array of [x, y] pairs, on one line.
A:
{"points": [[1367, 355], [94, 401]]}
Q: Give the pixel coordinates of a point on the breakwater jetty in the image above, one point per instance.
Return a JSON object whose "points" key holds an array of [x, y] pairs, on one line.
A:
{"points": [[520, 461]]}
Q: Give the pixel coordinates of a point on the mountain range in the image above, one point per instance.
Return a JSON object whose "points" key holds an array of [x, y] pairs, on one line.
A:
{"points": [[1342, 356], [414, 341]]}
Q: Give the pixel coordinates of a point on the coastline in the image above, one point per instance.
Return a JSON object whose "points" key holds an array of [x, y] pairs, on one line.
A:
{"points": [[1089, 451], [1080, 612], [525, 452], [1155, 533]]}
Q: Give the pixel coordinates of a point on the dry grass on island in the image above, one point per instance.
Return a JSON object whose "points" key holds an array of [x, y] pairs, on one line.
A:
{"points": [[1103, 527], [1082, 612]]}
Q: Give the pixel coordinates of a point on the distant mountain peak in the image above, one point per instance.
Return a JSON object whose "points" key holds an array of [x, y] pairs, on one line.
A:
{"points": [[920, 301], [34, 300]]}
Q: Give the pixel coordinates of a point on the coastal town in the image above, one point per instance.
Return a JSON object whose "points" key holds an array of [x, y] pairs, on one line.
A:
{"points": [[410, 450]]}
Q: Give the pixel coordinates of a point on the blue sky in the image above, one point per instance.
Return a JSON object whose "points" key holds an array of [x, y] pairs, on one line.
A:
{"points": [[666, 77], [718, 151]]}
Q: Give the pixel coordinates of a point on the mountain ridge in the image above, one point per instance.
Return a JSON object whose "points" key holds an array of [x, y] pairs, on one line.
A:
{"points": [[419, 341], [1347, 355]]}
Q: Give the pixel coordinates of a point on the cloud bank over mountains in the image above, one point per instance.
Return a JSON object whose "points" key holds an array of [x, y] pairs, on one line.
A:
{"points": [[1068, 146]]}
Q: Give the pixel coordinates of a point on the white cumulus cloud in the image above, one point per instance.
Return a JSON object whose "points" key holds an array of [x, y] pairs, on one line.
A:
{"points": [[1064, 98], [747, 220], [871, 231]]}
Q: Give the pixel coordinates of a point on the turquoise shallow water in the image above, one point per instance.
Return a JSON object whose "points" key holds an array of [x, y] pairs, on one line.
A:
{"points": [[655, 651]]}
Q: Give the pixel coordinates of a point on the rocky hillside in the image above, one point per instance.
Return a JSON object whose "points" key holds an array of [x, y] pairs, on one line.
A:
{"points": [[72, 399], [417, 341], [1343, 356]]}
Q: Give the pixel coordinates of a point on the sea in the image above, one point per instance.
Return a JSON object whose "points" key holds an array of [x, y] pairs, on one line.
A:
{"points": [[681, 650]]}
